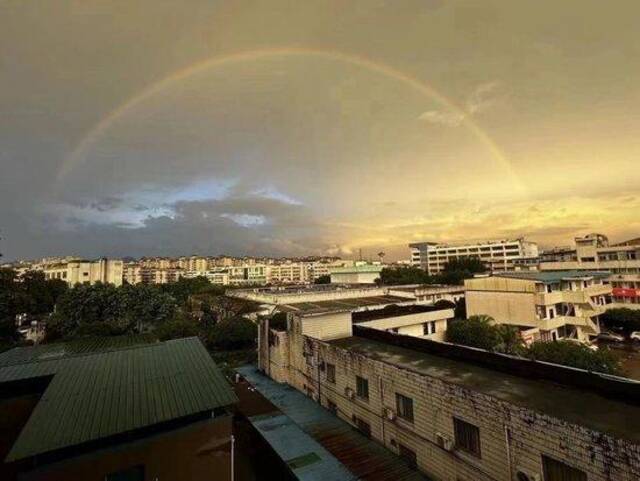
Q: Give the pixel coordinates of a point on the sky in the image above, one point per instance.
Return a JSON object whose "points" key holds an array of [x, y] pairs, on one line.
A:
{"points": [[291, 128]]}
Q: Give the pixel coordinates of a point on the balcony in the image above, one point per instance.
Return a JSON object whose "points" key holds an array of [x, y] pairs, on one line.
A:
{"points": [[582, 296]]}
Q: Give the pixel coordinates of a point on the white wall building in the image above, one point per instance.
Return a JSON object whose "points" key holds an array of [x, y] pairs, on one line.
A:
{"points": [[498, 255]]}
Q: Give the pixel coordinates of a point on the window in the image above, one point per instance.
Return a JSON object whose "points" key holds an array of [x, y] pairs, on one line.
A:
{"points": [[331, 373], [363, 426], [404, 407], [467, 436], [333, 407], [362, 388], [558, 471], [135, 473], [429, 328], [408, 454]]}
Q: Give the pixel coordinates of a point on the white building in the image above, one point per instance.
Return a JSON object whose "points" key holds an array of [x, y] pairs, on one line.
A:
{"points": [[593, 252], [357, 274], [108, 271], [498, 255]]}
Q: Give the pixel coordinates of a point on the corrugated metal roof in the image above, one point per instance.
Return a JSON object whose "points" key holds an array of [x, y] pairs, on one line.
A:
{"points": [[366, 459], [92, 396]]}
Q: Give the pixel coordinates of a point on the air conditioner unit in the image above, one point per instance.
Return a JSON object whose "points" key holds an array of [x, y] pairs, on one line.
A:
{"points": [[349, 393], [389, 414], [523, 475], [444, 441]]}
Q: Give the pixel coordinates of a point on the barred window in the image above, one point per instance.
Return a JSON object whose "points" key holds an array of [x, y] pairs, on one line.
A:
{"points": [[467, 436], [558, 471], [362, 388], [408, 454], [404, 407], [331, 373]]}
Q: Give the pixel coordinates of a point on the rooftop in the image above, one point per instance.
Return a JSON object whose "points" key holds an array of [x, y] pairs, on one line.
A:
{"points": [[357, 269], [324, 447], [341, 305], [393, 310], [571, 404], [94, 390], [549, 277]]}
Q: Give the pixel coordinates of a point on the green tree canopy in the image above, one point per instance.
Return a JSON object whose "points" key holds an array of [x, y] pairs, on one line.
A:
{"points": [[234, 333], [621, 319], [576, 355], [455, 271], [395, 276], [477, 331], [325, 279]]}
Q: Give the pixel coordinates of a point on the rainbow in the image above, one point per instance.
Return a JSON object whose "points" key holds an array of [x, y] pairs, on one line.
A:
{"points": [[79, 153]]}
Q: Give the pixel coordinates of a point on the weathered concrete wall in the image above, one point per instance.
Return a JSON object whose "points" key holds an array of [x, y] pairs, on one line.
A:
{"points": [[512, 438]]}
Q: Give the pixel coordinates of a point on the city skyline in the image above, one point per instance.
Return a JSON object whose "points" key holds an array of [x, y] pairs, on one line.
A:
{"points": [[285, 130]]}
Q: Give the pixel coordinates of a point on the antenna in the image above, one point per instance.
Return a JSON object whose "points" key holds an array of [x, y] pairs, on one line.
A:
{"points": [[381, 255]]}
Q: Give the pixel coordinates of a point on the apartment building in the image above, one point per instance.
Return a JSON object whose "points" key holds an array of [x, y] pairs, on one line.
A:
{"points": [[593, 252], [135, 273], [456, 413], [544, 305], [84, 271], [498, 255]]}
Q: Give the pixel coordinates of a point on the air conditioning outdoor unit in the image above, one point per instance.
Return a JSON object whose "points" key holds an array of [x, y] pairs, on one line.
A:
{"points": [[349, 393], [444, 441], [523, 475], [389, 414]]}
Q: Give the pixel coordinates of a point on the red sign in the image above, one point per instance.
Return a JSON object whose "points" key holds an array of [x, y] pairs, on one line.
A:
{"points": [[625, 292]]}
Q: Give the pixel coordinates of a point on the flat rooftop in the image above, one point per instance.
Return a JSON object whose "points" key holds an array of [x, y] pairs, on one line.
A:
{"points": [[340, 305], [393, 310], [96, 389], [549, 277], [571, 404]]}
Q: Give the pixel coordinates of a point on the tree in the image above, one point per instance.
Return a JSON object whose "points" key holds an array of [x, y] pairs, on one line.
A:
{"points": [[394, 276], [477, 331], [621, 319], [576, 355], [511, 341], [177, 328], [184, 288], [103, 309], [325, 279], [234, 333], [455, 271]]}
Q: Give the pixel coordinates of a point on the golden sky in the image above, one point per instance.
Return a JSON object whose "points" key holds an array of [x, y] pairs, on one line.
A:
{"points": [[288, 127]]}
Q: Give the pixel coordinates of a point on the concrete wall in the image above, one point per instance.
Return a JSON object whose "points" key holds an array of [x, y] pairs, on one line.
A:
{"points": [[512, 438], [516, 308], [327, 326]]}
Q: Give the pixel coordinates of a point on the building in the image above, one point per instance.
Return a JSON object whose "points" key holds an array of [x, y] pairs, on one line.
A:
{"points": [[113, 409], [134, 273], [108, 271], [593, 252], [457, 413], [498, 255], [545, 305], [357, 274]]}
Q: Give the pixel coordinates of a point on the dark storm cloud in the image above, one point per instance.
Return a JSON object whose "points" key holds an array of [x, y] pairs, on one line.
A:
{"points": [[289, 155]]}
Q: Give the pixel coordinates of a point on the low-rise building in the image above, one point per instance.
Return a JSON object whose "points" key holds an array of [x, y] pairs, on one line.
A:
{"points": [[359, 273], [113, 409], [458, 413], [498, 255], [545, 305], [594, 253]]}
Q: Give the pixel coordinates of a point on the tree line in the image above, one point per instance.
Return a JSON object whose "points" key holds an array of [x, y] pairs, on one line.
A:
{"points": [[183, 308], [454, 272]]}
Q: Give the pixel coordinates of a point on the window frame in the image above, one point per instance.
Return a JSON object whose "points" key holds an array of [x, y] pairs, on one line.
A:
{"points": [[469, 441], [402, 411], [362, 388], [331, 368], [569, 472]]}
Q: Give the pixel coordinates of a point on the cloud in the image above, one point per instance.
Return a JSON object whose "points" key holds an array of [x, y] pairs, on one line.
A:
{"points": [[483, 97]]}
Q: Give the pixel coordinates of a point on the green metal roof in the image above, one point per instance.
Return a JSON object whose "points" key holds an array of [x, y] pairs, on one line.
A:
{"points": [[549, 277], [94, 394]]}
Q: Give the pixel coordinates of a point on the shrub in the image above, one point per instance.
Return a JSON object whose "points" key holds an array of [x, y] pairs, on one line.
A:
{"points": [[234, 333]]}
